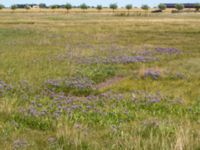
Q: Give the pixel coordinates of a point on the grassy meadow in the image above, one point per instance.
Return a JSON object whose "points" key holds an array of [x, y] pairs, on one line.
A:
{"points": [[99, 81]]}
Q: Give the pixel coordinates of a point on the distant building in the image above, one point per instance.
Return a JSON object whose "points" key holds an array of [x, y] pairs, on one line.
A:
{"points": [[186, 5], [29, 5], [35, 6]]}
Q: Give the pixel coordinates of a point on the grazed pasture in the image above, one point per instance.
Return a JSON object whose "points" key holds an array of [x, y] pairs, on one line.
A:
{"points": [[96, 81]]}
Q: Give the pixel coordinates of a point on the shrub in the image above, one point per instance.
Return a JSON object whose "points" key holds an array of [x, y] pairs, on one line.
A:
{"points": [[179, 7], [113, 6], [162, 6], [197, 6]]}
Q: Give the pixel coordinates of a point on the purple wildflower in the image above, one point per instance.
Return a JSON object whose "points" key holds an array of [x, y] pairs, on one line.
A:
{"points": [[152, 74], [4, 87], [20, 144], [154, 100], [169, 51]]}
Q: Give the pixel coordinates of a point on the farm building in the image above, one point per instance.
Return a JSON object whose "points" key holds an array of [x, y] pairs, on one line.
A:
{"points": [[25, 5], [35, 6], [186, 5]]}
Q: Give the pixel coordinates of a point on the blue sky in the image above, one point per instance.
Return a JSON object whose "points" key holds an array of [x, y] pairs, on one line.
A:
{"points": [[95, 2]]}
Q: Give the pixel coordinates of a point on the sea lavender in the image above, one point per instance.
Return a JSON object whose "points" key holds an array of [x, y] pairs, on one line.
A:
{"points": [[20, 144], [169, 51], [115, 59], [51, 140], [4, 87], [79, 83], [154, 100], [153, 74], [71, 86]]}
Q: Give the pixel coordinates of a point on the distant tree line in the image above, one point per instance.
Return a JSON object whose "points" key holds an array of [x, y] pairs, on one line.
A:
{"points": [[84, 6]]}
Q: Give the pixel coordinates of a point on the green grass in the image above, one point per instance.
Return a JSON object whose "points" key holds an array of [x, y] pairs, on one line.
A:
{"points": [[122, 109]]}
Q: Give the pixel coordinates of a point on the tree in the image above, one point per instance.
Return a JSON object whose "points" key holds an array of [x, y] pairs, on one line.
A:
{"points": [[162, 6], [13, 7], [54, 6], [128, 7], [83, 6], [145, 7], [68, 6], [197, 6], [179, 7], [99, 7], [1, 6], [42, 5], [113, 6]]}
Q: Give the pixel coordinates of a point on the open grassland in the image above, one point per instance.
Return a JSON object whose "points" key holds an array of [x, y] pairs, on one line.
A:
{"points": [[95, 81]]}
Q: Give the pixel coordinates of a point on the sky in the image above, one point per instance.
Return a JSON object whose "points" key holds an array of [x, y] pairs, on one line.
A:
{"points": [[95, 2]]}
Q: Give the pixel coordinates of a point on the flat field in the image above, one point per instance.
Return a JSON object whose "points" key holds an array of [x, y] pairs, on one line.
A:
{"points": [[99, 81]]}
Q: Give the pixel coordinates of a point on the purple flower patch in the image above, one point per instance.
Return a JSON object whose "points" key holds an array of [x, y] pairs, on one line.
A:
{"points": [[4, 87], [76, 86], [153, 74], [169, 51], [115, 59]]}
